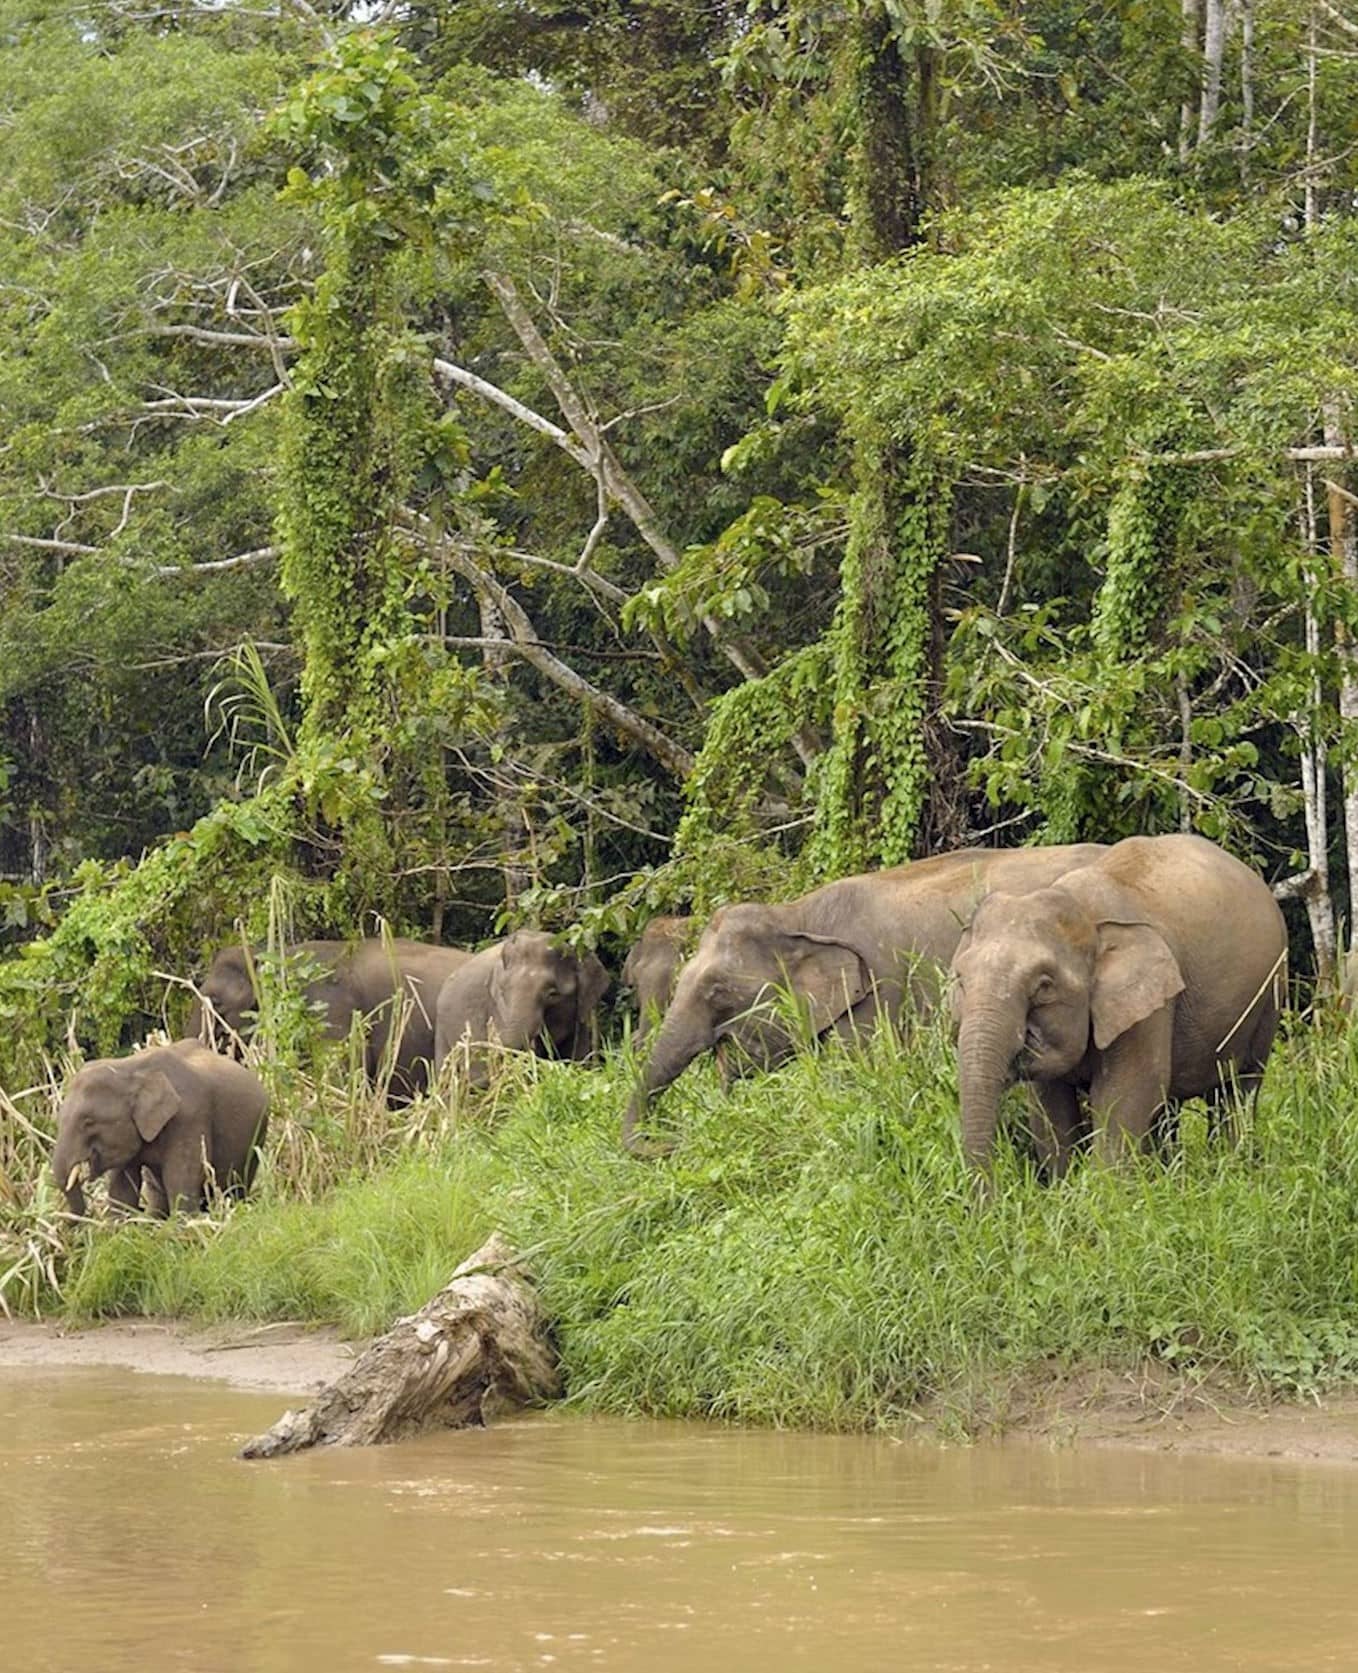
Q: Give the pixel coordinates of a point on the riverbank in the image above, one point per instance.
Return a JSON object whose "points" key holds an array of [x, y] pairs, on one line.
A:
{"points": [[270, 1358], [1150, 1412], [810, 1255]]}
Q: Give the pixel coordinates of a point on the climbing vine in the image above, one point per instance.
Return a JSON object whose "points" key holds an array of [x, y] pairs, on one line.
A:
{"points": [[1145, 524], [874, 780], [751, 726]]}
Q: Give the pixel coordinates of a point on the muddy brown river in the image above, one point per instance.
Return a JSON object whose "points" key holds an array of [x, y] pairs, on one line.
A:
{"points": [[135, 1540]]}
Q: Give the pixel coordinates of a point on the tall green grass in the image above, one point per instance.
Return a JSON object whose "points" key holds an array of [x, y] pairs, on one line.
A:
{"points": [[811, 1253]]}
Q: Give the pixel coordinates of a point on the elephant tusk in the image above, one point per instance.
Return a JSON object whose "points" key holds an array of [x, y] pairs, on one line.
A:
{"points": [[73, 1175]]}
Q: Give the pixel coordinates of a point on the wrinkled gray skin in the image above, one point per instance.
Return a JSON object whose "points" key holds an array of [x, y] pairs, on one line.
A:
{"points": [[1152, 975], [652, 969], [850, 952], [164, 1111], [362, 979], [527, 994]]}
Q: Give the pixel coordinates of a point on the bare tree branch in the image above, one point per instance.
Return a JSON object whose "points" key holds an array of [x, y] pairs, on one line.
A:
{"points": [[73, 548], [595, 455], [242, 560], [670, 753], [200, 406], [515, 408], [202, 334]]}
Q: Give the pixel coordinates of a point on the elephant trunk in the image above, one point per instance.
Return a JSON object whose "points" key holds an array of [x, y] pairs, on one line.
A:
{"points": [[681, 1038], [523, 1027], [988, 1041], [65, 1159]]}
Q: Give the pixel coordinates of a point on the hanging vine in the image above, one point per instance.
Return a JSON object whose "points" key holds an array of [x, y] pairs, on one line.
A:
{"points": [[1145, 528], [751, 727], [875, 778]]}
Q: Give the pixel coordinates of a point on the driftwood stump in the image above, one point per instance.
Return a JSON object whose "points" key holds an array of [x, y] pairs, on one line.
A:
{"points": [[481, 1341]]}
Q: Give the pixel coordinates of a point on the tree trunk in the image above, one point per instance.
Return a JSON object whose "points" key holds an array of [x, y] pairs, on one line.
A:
{"points": [[481, 1342], [889, 184], [1213, 50], [1188, 38], [1319, 906], [1246, 84], [1185, 750]]}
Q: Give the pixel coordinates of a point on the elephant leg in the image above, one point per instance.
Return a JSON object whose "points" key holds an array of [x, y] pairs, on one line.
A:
{"points": [[1130, 1086], [1236, 1092], [157, 1203], [181, 1175], [1237, 1087], [124, 1190], [1166, 1127], [1055, 1126]]}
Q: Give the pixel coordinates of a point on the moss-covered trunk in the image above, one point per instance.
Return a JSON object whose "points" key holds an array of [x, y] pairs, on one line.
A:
{"points": [[881, 771]]}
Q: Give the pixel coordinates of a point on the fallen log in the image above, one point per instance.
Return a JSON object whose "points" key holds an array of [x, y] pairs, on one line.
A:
{"points": [[481, 1342]]}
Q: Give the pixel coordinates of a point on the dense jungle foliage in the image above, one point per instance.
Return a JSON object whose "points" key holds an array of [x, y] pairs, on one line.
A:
{"points": [[552, 463], [547, 463]]}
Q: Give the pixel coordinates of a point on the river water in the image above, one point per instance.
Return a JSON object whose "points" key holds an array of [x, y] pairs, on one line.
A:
{"points": [[135, 1540]]}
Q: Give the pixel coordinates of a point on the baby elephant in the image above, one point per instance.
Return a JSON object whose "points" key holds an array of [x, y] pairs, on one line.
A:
{"points": [[527, 994], [174, 1111]]}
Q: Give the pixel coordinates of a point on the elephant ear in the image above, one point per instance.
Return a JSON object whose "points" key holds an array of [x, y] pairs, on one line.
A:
{"points": [[154, 1103], [591, 986], [1135, 973], [829, 975], [954, 985], [498, 968], [591, 979]]}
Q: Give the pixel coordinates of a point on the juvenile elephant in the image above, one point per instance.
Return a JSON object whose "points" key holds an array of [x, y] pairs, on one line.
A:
{"points": [[846, 952], [1153, 974], [527, 994], [653, 966], [170, 1111], [357, 978]]}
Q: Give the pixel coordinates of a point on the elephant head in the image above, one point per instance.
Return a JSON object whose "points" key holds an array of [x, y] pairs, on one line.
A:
{"points": [[543, 997], [729, 996], [110, 1113], [1041, 982], [229, 989]]}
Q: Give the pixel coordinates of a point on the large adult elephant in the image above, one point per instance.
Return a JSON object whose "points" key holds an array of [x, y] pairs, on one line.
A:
{"points": [[1153, 974], [349, 979], [525, 993], [652, 968], [162, 1116], [850, 952]]}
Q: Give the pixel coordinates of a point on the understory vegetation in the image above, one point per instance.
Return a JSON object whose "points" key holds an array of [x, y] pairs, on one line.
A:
{"points": [[812, 1251]]}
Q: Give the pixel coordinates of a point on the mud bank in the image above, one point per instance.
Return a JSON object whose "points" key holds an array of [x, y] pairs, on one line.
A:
{"points": [[282, 1358], [1154, 1410]]}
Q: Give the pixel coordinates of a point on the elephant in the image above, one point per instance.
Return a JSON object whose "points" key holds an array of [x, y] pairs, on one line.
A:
{"points": [[525, 993], [1151, 975], [849, 952], [652, 968], [359, 979], [170, 1112]]}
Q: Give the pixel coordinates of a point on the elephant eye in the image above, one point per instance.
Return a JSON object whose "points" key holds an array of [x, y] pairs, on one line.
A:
{"points": [[1043, 988]]}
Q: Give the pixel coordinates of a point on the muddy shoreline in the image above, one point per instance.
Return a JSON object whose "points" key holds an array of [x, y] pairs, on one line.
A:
{"points": [[1150, 1412], [279, 1358]]}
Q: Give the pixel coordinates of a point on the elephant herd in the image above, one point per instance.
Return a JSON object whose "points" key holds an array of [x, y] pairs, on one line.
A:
{"points": [[1117, 980]]}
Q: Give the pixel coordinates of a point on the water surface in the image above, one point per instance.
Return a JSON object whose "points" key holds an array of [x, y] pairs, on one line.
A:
{"points": [[135, 1540]]}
